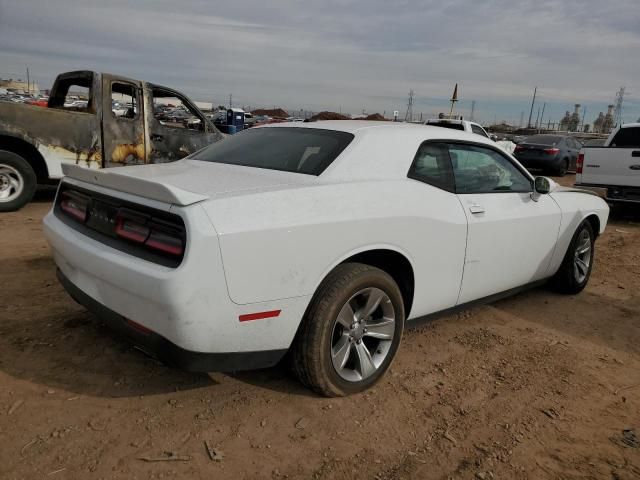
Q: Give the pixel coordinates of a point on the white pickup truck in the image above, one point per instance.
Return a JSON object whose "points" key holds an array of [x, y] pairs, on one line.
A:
{"points": [[615, 166]]}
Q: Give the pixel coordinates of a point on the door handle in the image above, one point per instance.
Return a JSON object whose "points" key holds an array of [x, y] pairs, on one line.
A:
{"points": [[635, 153], [475, 208], [157, 138]]}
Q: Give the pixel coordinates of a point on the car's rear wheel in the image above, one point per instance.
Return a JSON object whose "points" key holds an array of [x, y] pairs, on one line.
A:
{"points": [[351, 331], [17, 181], [574, 273], [563, 168]]}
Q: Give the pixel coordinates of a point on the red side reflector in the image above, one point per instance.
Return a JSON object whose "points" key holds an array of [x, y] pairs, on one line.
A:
{"points": [[138, 327], [259, 316]]}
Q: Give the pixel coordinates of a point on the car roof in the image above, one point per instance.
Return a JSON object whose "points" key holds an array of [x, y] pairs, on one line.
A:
{"points": [[381, 150], [362, 126]]}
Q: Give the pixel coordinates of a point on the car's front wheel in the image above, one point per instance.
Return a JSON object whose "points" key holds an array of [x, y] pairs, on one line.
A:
{"points": [[574, 273], [351, 331]]}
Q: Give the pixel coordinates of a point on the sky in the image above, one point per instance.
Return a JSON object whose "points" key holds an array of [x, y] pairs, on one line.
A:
{"points": [[344, 55]]}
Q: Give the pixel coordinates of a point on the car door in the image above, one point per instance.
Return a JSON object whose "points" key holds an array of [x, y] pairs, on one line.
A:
{"points": [[178, 132], [438, 233], [511, 233], [122, 122]]}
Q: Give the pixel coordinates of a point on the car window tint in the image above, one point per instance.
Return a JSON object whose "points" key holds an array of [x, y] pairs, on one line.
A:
{"points": [[627, 137], [432, 165], [478, 130], [298, 150], [483, 170]]}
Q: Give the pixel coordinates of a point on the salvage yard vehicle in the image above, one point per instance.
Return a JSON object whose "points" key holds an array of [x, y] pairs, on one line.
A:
{"points": [[458, 124], [550, 153], [614, 166], [320, 239], [95, 131]]}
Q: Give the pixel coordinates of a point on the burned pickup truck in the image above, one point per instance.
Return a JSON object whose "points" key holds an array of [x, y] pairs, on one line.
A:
{"points": [[94, 120]]}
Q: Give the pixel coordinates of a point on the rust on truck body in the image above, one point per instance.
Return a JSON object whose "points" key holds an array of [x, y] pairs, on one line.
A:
{"points": [[92, 135]]}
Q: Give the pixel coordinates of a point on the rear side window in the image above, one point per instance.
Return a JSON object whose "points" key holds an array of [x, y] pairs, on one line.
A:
{"points": [[298, 150], [478, 130], [627, 137], [432, 165], [453, 126]]}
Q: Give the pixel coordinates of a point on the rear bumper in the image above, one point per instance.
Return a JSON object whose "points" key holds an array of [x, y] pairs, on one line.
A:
{"points": [[167, 352], [615, 193]]}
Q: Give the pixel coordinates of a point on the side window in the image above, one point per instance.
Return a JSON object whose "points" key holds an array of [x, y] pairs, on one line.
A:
{"points": [[432, 165], [478, 130], [484, 170], [73, 94], [627, 138], [173, 111], [124, 102]]}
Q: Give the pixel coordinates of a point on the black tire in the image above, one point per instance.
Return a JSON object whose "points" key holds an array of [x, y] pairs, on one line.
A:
{"points": [[311, 349], [566, 279], [563, 169], [15, 170]]}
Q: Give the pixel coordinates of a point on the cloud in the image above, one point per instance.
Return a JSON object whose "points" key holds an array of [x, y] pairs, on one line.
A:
{"points": [[341, 54]]}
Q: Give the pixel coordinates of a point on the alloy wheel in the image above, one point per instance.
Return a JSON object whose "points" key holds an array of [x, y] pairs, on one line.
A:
{"points": [[362, 334], [582, 256]]}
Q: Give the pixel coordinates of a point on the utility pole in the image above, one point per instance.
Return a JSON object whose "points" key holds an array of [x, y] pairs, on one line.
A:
{"points": [[542, 114], [409, 114], [230, 100], [531, 111], [454, 99], [537, 117], [28, 82]]}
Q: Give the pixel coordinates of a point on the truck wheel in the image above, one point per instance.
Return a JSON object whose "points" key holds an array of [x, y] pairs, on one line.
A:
{"points": [[351, 331], [17, 181], [574, 273]]}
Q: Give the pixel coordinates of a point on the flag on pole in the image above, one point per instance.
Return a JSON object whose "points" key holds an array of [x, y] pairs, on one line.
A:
{"points": [[454, 98]]}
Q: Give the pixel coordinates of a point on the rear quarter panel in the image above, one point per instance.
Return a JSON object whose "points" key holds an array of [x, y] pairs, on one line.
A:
{"points": [[282, 244]]}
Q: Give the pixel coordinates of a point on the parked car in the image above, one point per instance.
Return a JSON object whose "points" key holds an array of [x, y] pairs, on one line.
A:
{"points": [[455, 124], [35, 142], [555, 154], [320, 238], [614, 166]]}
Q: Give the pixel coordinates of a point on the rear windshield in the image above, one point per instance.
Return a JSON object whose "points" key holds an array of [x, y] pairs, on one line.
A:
{"points": [[454, 126], [627, 137], [297, 150], [544, 139]]}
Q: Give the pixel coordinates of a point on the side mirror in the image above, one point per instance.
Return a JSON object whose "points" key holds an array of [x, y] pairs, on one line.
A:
{"points": [[542, 185]]}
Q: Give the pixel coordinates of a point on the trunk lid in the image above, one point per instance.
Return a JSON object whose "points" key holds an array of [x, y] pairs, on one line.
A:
{"points": [[187, 181]]}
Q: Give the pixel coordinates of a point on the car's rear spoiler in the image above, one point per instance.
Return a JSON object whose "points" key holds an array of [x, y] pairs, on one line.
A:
{"points": [[110, 178]]}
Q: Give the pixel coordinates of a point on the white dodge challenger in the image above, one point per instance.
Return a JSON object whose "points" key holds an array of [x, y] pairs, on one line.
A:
{"points": [[319, 239]]}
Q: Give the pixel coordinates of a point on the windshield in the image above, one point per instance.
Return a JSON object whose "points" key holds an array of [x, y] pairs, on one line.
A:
{"points": [[298, 150], [544, 139]]}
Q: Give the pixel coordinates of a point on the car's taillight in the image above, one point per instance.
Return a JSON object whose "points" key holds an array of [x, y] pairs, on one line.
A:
{"points": [[579, 163], [518, 149], [551, 151], [131, 228], [75, 205], [147, 232]]}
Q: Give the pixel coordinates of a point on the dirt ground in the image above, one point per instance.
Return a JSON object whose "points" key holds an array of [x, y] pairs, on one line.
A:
{"points": [[539, 386]]}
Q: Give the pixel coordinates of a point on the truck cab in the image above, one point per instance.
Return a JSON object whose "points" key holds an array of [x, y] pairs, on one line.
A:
{"points": [[95, 120]]}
